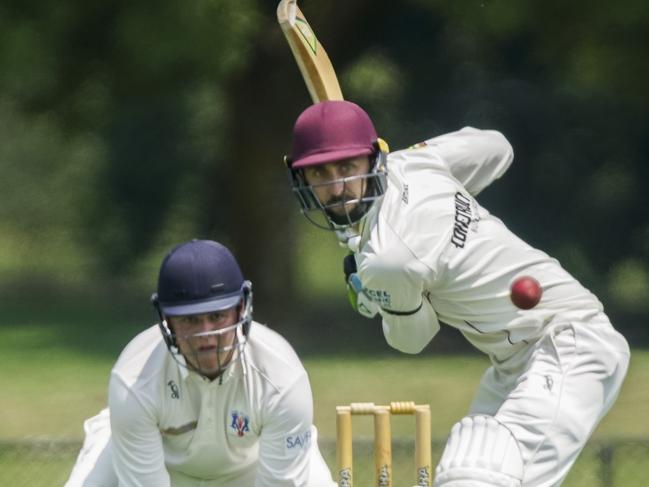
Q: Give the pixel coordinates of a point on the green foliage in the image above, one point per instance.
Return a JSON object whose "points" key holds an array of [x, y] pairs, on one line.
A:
{"points": [[320, 264], [127, 127], [97, 103]]}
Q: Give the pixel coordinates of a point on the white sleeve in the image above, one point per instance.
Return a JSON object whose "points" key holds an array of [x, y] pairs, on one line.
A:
{"points": [[286, 438], [397, 285], [476, 158], [138, 455], [410, 333]]}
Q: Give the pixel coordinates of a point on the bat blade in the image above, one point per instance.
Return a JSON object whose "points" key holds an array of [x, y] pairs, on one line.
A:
{"points": [[313, 61]]}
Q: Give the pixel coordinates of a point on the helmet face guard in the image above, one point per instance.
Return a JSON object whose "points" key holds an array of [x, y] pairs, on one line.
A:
{"points": [[198, 278], [322, 214], [220, 347]]}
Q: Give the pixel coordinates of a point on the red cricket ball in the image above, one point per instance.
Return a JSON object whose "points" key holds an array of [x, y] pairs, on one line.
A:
{"points": [[526, 292]]}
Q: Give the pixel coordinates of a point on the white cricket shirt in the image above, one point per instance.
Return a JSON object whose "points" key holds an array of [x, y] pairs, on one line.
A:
{"points": [[429, 253], [174, 427]]}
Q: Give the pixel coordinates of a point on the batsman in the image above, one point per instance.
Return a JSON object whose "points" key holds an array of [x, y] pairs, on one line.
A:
{"points": [[425, 252]]}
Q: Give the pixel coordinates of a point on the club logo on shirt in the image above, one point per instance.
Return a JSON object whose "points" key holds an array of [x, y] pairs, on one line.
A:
{"points": [[239, 423], [463, 219]]}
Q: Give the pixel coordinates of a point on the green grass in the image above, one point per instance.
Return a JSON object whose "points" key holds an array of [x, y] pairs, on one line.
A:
{"points": [[55, 373], [446, 383], [48, 389], [52, 388], [36, 465]]}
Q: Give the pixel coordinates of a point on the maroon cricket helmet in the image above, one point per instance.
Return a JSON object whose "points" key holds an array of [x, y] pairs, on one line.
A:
{"points": [[330, 131]]}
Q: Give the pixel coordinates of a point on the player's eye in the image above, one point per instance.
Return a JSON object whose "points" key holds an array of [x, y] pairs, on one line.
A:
{"points": [[314, 174], [188, 320], [349, 168], [216, 316]]}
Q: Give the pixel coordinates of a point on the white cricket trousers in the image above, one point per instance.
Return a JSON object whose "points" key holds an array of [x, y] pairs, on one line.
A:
{"points": [[553, 394]]}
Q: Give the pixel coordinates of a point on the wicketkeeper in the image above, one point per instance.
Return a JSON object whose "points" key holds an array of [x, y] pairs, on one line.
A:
{"points": [[206, 397], [425, 252]]}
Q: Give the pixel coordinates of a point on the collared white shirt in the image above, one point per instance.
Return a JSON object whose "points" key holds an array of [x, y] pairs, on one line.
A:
{"points": [[170, 426], [429, 253]]}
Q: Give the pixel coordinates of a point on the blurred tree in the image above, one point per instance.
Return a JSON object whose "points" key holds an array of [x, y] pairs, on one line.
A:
{"points": [[565, 83], [133, 76], [129, 126]]}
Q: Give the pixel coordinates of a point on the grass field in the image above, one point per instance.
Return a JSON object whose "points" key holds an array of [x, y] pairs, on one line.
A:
{"points": [[54, 378], [48, 389]]}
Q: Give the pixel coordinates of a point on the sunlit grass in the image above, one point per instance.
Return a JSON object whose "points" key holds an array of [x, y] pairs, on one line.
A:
{"points": [[48, 388], [55, 375]]}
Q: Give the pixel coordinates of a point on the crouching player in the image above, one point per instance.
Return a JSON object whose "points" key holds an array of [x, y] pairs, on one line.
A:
{"points": [[206, 397]]}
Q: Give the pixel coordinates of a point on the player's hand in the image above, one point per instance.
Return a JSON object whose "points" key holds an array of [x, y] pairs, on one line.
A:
{"points": [[358, 298]]}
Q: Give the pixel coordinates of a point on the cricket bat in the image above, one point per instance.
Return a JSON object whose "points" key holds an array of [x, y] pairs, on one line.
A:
{"points": [[315, 66]]}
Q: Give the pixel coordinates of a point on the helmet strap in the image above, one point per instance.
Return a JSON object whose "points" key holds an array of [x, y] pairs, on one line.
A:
{"points": [[168, 335]]}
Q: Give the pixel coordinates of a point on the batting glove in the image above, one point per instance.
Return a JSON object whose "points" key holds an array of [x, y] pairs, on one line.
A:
{"points": [[357, 296]]}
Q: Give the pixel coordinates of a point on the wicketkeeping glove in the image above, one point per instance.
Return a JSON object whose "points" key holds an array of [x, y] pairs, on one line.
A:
{"points": [[358, 298]]}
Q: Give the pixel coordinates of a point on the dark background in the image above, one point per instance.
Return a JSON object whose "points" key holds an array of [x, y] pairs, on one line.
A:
{"points": [[126, 127]]}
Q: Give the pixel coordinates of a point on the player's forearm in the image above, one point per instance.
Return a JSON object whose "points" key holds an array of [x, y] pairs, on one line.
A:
{"points": [[412, 332]]}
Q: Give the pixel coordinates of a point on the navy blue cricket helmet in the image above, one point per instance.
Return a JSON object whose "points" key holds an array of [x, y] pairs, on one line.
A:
{"points": [[200, 276]]}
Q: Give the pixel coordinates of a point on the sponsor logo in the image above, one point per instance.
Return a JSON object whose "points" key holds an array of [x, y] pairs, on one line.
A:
{"points": [[463, 219], [175, 392], [308, 35], [404, 194], [239, 423], [379, 296], [423, 476], [384, 476], [345, 477], [299, 441]]}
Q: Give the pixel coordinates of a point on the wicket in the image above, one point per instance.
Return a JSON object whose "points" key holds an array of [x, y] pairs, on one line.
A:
{"points": [[383, 441]]}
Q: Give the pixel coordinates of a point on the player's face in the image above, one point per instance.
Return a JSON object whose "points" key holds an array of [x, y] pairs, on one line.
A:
{"points": [[207, 341], [336, 184]]}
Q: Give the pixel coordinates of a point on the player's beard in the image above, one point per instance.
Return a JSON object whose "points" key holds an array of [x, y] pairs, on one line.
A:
{"points": [[347, 217], [354, 207]]}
